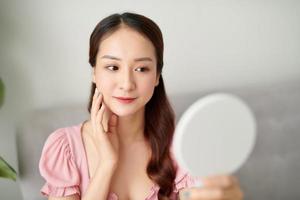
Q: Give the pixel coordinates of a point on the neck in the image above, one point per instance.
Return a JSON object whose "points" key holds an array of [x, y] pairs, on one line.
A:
{"points": [[131, 128]]}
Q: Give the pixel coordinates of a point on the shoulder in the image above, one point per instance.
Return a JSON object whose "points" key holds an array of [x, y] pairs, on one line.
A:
{"points": [[67, 138], [57, 164]]}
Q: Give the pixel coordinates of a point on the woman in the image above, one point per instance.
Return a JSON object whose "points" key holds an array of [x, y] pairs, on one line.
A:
{"points": [[123, 150]]}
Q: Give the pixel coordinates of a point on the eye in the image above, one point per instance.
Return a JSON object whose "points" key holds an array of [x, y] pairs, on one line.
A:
{"points": [[143, 69], [111, 67]]}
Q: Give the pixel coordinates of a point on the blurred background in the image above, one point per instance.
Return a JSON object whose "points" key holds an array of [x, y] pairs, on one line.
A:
{"points": [[209, 45]]}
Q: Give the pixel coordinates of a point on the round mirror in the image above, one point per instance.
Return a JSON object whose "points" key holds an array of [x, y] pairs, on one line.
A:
{"points": [[215, 135]]}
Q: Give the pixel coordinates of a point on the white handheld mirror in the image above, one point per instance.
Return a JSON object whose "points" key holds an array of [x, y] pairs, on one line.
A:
{"points": [[214, 136]]}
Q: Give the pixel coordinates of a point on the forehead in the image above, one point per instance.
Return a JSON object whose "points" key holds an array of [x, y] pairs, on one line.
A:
{"points": [[127, 43]]}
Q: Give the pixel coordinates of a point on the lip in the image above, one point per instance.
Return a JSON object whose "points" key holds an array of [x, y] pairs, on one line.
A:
{"points": [[125, 100]]}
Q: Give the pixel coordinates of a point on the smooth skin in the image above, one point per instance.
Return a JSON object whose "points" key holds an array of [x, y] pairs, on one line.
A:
{"points": [[114, 126]]}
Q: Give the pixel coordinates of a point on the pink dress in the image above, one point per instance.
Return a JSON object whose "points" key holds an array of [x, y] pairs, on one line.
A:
{"points": [[63, 164]]}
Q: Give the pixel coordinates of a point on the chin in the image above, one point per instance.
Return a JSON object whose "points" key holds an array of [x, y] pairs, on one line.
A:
{"points": [[123, 112]]}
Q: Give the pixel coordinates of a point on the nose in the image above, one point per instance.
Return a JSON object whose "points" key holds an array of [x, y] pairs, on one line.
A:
{"points": [[127, 81]]}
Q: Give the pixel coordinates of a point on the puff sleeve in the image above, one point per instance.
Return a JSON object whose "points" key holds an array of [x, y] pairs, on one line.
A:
{"points": [[183, 180], [57, 167]]}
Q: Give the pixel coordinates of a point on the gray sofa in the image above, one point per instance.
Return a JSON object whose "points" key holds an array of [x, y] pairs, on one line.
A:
{"points": [[271, 172]]}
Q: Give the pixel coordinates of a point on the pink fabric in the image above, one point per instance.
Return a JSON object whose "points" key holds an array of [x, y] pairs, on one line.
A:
{"points": [[63, 164]]}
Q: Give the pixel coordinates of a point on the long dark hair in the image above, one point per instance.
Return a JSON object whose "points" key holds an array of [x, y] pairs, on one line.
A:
{"points": [[159, 115]]}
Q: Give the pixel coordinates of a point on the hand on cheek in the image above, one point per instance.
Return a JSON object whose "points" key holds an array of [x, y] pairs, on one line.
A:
{"points": [[106, 116]]}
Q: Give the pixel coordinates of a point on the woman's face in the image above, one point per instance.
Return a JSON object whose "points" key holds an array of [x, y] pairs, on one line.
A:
{"points": [[126, 67]]}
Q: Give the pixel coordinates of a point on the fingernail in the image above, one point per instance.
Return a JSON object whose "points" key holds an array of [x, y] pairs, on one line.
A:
{"points": [[97, 92]]}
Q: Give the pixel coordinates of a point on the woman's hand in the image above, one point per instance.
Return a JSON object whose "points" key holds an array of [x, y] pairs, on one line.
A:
{"points": [[104, 131], [214, 188]]}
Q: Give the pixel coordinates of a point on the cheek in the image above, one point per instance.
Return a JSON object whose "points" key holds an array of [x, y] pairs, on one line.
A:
{"points": [[107, 92], [104, 83], [147, 87]]}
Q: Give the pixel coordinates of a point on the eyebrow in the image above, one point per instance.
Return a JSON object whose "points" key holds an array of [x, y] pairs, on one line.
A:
{"points": [[136, 59]]}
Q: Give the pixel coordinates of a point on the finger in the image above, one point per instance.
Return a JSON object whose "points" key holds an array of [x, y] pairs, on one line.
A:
{"points": [[112, 124], [236, 191], [237, 194], [95, 106], [97, 103], [99, 118], [95, 96], [224, 181], [106, 118]]}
